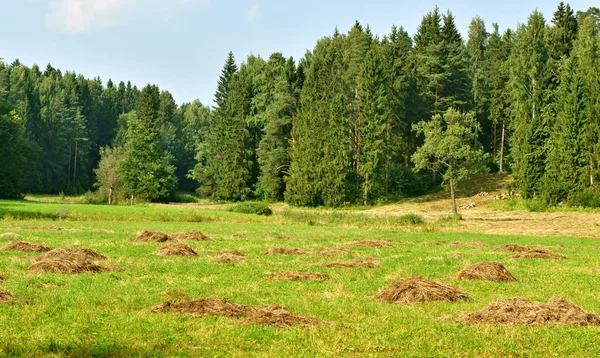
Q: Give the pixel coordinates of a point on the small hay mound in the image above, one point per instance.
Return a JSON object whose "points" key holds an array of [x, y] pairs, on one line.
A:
{"points": [[228, 259], [5, 296], [72, 254], [512, 248], [299, 276], [284, 237], [278, 316], [417, 290], [455, 255], [152, 236], [372, 243], [232, 252], [486, 271], [519, 311], [351, 264], [181, 250], [25, 246], [284, 251], [10, 235], [334, 251], [191, 236], [538, 254], [65, 266], [2, 279], [469, 244], [205, 307]]}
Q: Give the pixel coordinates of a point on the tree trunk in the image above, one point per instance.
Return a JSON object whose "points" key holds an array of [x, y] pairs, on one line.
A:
{"points": [[110, 195], [75, 165], [387, 160], [366, 194], [132, 199], [502, 149], [454, 210], [591, 173]]}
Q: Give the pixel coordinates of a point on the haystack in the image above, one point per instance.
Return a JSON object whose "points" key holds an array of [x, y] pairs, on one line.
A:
{"points": [[372, 243], [351, 264], [284, 251], [417, 290], [299, 276], [538, 254], [520, 311], [228, 259], [284, 237], [278, 316], [512, 248], [152, 236], [181, 250], [469, 244], [190, 236], [25, 246], [486, 271], [5, 296], [72, 253], [205, 307], [68, 260]]}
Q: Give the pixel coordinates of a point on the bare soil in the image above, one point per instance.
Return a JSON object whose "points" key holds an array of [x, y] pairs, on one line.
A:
{"points": [[418, 290], [25, 246], [486, 271], [299, 276], [181, 250], [152, 236]]}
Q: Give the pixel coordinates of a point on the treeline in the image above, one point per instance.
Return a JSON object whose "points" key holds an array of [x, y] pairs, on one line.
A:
{"points": [[339, 126]]}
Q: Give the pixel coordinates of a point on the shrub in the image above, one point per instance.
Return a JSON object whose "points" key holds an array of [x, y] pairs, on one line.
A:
{"points": [[536, 205], [257, 208]]}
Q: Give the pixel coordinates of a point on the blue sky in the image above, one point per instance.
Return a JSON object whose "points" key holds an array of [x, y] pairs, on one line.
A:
{"points": [[181, 45]]}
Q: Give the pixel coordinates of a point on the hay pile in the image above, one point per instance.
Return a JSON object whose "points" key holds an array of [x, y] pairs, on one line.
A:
{"points": [[2, 279], [190, 236], [152, 236], [263, 315], [519, 311], [5, 296], [486, 271], [455, 254], [25, 246], [417, 290], [10, 235], [334, 251], [181, 250], [68, 260], [469, 244], [232, 252], [284, 237], [351, 264], [512, 248], [284, 251], [228, 259], [538, 254], [372, 243], [299, 276]]}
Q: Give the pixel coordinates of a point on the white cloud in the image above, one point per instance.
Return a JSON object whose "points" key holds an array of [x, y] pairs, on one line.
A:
{"points": [[254, 13]]}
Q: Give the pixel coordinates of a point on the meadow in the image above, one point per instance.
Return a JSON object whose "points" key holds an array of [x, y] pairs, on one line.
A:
{"points": [[109, 313]]}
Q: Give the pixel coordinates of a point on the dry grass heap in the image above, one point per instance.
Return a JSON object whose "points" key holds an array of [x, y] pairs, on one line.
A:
{"points": [[228, 259], [351, 264], [68, 260], [417, 290], [512, 248], [181, 250], [469, 244], [334, 251], [25, 246], [232, 252], [190, 236], [486, 271], [519, 311], [372, 243], [284, 237], [538, 254], [152, 236], [263, 315], [10, 235], [285, 251], [5, 296], [299, 276]]}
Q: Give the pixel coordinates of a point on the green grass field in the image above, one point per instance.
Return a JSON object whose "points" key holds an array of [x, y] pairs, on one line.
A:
{"points": [[108, 314]]}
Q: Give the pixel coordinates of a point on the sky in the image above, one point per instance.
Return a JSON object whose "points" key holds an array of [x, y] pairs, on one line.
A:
{"points": [[181, 45]]}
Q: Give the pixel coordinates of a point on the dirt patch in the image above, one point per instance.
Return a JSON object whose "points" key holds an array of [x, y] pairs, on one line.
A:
{"points": [[372, 243], [512, 248], [25, 246], [334, 251], [417, 290], [351, 264], [5, 296], [469, 244], [272, 315], [538, 254], [181, 250], [10, 235], [285, 251], [486, 271], [72, 253], [152, 236], [299, 276], [191, 236], [520, 311], [68, 260], [228, 259]]}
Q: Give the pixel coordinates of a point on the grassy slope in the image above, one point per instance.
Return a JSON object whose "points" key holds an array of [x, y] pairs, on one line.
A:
{"points": [[108, 313]]}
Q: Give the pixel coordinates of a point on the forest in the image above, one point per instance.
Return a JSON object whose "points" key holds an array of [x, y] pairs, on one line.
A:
{"points": [[359, 120]]}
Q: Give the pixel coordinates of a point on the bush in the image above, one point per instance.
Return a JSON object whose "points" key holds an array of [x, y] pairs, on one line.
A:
{"points": [[536, 205], [257, 208], [588, 199]]}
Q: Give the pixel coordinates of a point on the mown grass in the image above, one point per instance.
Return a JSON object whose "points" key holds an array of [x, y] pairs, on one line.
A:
{"points": [[108, 314]]}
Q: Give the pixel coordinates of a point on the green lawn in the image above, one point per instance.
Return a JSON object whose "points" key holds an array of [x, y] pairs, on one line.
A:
{"points": [[108, 314]]}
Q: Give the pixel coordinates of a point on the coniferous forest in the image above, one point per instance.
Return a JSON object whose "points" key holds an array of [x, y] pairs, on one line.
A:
{"points": [[360, 119]]}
